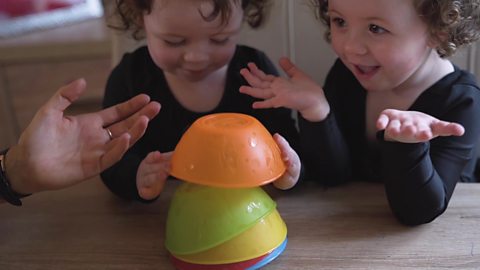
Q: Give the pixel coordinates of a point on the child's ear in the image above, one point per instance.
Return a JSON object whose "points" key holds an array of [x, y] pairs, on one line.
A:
{"points": [[433, 42], [436, 39]]}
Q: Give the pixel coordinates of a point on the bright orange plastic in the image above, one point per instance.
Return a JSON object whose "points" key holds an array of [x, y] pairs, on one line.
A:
{"points": [[230, 150]]}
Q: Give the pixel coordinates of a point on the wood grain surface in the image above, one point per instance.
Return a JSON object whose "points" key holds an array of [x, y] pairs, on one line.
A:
{"points": [[347, 227]]}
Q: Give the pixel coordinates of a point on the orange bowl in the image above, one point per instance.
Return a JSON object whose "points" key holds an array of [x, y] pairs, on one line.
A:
{"points": [[229, 150]]}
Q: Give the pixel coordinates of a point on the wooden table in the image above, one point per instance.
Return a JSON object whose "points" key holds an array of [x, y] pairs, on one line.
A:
{"points": [[348, 227]]}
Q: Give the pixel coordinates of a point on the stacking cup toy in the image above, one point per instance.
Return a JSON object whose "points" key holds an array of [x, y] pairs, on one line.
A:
{"points": [[252, 264], [266, 235], [228, 150], [221, 218], [202, 217]]}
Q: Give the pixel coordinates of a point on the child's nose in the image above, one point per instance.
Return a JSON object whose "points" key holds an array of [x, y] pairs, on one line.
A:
{"points": [[195, 56], [354, 44]]}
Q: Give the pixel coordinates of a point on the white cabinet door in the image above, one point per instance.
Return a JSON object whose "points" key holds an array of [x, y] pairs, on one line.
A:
{"points": [[292, 30]]}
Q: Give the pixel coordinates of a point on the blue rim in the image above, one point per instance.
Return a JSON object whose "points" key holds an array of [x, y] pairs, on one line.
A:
{"points": [[272, 256]]}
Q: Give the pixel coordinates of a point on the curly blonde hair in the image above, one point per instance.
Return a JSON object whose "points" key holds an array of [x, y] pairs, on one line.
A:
{"points": [[129, 13], [452, 23]]}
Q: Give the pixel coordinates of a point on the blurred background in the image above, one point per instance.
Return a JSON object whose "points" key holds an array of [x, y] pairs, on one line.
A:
{"points": [[47, 43]]}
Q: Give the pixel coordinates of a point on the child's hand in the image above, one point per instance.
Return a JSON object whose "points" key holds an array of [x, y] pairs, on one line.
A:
{"points": [[292, 162], [152, 174], [413, 127], [299, 92]]}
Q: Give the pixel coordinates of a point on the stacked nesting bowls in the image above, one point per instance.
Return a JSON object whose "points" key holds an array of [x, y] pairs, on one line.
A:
{"points": [[221, 218]]}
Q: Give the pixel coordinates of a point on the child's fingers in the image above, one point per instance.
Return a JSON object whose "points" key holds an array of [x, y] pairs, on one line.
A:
{"points": [[253, 80], [442, 128], [256, 92], [424, 135], [167, 160], [151, 186], [382, 121], [265, 104], [288, 66], [385, 117], [152, 158], [152, 175], [289, 156], [153, 163], [259, 73], [292, 162], [284, 146]]}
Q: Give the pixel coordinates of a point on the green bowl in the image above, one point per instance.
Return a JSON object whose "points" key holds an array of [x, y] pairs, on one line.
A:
{"points": [[202, 217]]}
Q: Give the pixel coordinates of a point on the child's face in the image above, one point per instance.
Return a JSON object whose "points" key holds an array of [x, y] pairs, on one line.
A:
{"points": [[186, 45], [383, 42]]}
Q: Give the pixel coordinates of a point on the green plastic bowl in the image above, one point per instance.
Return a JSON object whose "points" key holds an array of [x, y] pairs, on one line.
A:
{"points": [[202, 217], [263, 237]]}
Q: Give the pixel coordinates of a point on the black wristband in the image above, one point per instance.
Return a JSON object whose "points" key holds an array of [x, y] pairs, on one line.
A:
{"points": [[6, 191]]}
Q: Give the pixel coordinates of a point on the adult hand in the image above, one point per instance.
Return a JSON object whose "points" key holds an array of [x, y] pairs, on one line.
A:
{"points": [[298, 92], [414, 127], [57, 151]]}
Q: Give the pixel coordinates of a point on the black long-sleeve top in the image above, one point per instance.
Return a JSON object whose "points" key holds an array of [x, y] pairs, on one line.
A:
{"points": [[419, 178], [137, 73]]}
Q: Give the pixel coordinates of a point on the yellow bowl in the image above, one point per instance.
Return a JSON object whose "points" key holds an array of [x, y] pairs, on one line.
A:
{"points": [[262, 238], [202, 217], [230, 150]]}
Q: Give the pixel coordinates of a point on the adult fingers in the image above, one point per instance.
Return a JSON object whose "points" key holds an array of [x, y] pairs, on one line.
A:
{"points": [[138, 129], [66, 95], [115, 149], [147, 113], [123, 110]]}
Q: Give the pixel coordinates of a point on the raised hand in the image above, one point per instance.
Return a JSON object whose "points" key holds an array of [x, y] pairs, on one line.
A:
{"points": [[414, 127], [57, 151], [298, 92], [152, 174], [292, 163]]}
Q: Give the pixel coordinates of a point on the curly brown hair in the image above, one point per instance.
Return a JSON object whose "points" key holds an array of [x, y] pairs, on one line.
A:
{"points": [[452, 23], [129, 13]]}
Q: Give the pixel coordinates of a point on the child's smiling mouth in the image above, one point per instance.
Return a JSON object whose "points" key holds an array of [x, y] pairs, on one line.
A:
{"points": [[366, 71]]}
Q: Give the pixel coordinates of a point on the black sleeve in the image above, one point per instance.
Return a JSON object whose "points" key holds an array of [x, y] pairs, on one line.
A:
{"points": [[420, 178], [121, 177], [325, 151]]}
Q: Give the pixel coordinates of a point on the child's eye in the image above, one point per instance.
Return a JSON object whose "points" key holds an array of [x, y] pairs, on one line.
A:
{"points": [[339, 22], [376, 29], [220, 41], [174, 43]]}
